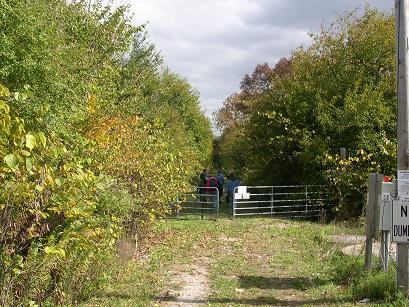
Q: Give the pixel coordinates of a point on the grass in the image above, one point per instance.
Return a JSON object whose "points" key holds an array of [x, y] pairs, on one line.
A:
{"points": [[250, 261]]}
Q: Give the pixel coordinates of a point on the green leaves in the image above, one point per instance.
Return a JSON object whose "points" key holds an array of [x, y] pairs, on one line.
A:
{"points": [[29, 164], [31, 141], [11, 160], [53, 141], [42, 138]]}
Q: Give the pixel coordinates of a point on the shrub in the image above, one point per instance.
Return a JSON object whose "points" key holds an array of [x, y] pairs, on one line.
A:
{"points": [[349, 271], [375, 286], [97, 143], [56, 217], [344, 269]]}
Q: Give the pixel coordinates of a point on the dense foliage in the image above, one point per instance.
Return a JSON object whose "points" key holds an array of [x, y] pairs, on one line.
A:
{"points": [[288, 123], [96, 137]]}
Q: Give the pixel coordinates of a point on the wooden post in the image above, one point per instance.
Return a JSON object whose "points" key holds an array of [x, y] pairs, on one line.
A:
{"points": [[377, 206], [401, 30], [370, 215], [384, 250]]}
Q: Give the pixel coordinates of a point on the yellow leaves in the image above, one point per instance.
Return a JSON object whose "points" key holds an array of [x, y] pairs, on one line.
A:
{"points": [[31, 141], [4, 91], [49, 180], [91, 104], [42, 138], [59, 181], [77, 213], [52, 250], [111, 129], [80, 175]]}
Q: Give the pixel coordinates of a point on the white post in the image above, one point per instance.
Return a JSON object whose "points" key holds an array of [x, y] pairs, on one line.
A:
{"points": [[401, 22], [218, 203], [306, 199], [234, 202], [272, 201]]}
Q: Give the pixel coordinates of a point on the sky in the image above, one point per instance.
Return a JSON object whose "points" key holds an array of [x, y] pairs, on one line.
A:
{"points": [[214, 43]]}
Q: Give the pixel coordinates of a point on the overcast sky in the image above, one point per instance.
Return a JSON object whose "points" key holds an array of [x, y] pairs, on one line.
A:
{"points": [[213, 43]]}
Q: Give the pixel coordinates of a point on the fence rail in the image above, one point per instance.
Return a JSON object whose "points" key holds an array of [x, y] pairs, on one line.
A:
{"points": [[201, 201], [298, 201]]}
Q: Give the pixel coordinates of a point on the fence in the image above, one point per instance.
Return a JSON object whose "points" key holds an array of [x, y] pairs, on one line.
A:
{"points": [[301, 201], [200, 201]]}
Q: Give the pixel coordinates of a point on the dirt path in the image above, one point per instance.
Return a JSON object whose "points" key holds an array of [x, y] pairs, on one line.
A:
{"points": [[251, 263], [189, 288]]}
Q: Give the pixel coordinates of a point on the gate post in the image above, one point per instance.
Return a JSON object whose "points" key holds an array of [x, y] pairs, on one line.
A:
{"points": [[306, 199], [203, 204], [218, 203], [177, 207], [272, 201], [234, 203]]}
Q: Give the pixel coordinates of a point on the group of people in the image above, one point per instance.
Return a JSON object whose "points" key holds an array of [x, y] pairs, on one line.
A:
{"points": [[218, 182]]}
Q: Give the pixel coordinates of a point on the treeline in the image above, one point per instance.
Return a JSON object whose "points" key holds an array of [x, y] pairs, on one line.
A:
{"points": [[96, 137], [289, 124]]}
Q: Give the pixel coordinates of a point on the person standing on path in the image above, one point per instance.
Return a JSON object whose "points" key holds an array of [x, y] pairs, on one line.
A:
{"points": [[202, 183], [203, 178], [227, 190], [220, 183], [230, 190], [212, 190]]}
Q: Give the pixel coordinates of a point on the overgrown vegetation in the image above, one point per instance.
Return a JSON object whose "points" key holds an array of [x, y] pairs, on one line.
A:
{"points": [[374, 285], [288, 123], [96, 137], [254, 262]]}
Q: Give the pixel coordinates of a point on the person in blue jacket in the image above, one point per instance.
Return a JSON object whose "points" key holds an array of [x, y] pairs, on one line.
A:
{"points": [[220, 183], [232, 183], [230, 189]]}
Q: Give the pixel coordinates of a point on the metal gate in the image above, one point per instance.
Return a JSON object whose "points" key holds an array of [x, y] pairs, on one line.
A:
{"points": [[297, 201], [200, 201]]}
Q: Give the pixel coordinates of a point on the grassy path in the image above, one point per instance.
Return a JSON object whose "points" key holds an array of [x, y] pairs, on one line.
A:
{"points": [[231, 263]]}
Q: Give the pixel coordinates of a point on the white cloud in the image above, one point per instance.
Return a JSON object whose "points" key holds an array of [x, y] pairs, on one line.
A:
{"points": [[214, 43]]}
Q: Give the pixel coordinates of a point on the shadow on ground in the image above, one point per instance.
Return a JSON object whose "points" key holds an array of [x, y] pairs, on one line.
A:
{"points": [[261, 282], [258, 301], [279, 283]]}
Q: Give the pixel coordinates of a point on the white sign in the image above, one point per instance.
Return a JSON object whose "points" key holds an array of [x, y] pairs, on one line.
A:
{"points": [[238, 196], [385, 210], [241, 189], [403, 182], [400, 220], [246, 195]]}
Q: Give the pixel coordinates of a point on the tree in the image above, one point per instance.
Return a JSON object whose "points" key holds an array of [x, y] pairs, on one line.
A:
{"points": [[339, 92]]}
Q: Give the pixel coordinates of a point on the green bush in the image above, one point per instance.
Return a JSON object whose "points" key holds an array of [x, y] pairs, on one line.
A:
{"points": [[96, 137], [375, 285], [345, 269], [349, 271], [58, 221]]}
